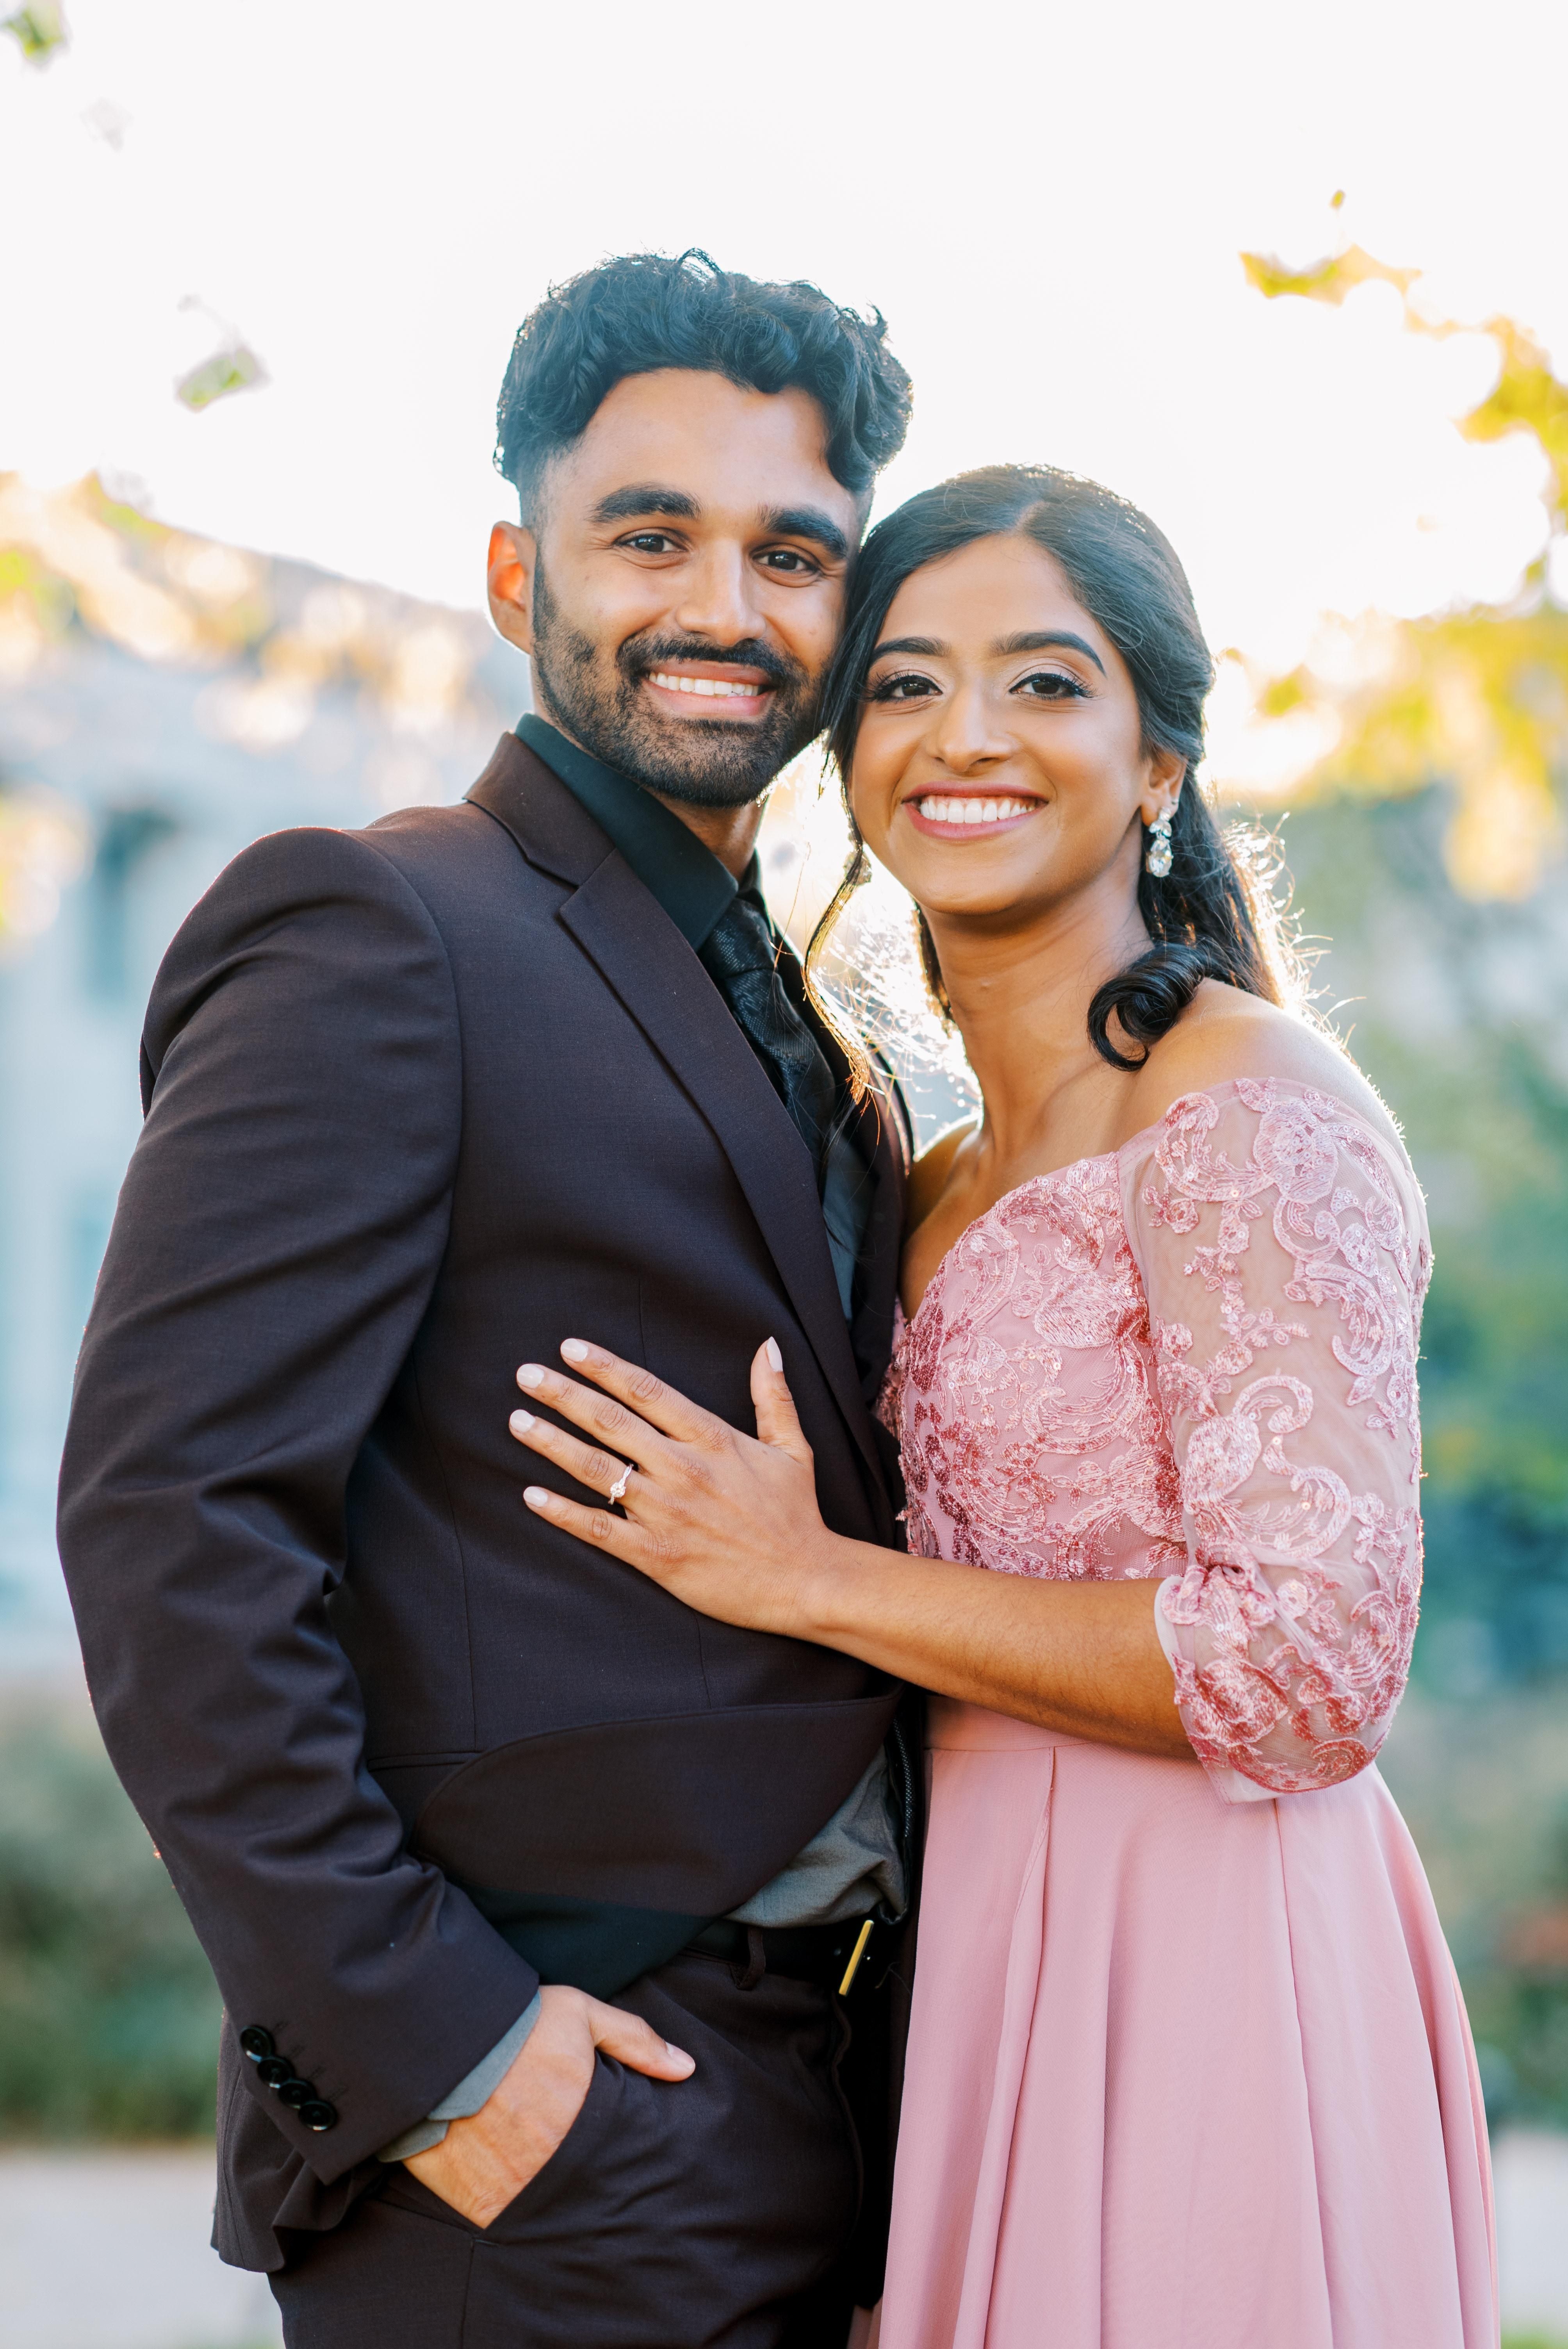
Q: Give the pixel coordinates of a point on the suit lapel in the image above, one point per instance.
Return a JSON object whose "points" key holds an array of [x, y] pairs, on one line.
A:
{"points": [[642, 958]]}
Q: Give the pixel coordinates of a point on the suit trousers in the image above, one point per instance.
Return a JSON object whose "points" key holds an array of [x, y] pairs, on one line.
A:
{"points": [[708, 2213]]}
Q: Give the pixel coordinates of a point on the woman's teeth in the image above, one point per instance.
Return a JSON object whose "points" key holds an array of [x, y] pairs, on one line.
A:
{"points": [[947, 809], [718, 689]]}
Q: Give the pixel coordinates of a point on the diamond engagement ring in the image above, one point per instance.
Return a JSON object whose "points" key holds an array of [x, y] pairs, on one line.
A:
{"points": [[618, 1489]]}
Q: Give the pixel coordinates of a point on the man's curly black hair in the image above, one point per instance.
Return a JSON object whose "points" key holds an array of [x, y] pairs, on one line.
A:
{"points": [[646, 310]]}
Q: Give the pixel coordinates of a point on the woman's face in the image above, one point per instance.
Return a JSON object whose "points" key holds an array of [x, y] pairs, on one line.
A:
{"points": [[999, 768]]}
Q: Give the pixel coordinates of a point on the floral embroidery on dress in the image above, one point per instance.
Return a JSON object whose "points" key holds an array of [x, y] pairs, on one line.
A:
{"points": [[1295, 1618], [1365, 1265], [1195, 1359], [1023, 1394]]}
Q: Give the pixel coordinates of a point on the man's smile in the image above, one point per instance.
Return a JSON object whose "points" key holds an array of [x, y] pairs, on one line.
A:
{"points": [[691, 689]]}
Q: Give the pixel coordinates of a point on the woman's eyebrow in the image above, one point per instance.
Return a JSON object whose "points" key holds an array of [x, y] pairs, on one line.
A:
{"points": [[1045, 640], [926, 647]]}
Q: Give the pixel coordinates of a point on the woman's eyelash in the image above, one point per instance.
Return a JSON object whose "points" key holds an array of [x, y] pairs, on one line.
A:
{"points": [[1064, 687]]}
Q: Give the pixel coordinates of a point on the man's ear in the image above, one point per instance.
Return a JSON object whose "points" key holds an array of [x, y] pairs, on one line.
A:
{"points": [[513, 555]]}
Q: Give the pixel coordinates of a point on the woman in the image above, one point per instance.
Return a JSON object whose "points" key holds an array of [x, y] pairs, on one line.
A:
{"points": [[1189, 2064]]}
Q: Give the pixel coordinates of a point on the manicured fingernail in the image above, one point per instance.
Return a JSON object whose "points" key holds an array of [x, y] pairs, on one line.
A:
{"points": [[574, 1350], [775, 1359], [535, 1495], [520, 1420], [530, 1375]]}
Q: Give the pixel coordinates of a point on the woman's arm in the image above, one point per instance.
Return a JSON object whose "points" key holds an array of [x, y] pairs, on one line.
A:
{"points": [[1080, 1657], [730, 1526], [1283, 1247]]}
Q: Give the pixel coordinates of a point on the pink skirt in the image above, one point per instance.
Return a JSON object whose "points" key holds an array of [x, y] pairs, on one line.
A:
{"points": [[1182, 2075]]}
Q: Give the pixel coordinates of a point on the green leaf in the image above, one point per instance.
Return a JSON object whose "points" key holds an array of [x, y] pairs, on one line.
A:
{"points": [[1322, 281], [1528, 399], [40, 28], [235, 370]]}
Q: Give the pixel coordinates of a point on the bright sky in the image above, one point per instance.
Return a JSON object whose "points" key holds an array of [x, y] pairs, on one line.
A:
{"points": [[1046, 201]]}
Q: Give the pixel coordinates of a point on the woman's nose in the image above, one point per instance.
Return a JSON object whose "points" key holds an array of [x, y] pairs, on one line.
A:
{"points": [[968, 729]]}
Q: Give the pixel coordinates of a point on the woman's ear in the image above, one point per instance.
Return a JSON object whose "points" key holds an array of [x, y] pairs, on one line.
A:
{"points": [[513, 557], [1165, 775]]}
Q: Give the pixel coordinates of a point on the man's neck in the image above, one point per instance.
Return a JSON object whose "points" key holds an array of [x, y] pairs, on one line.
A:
{"points": [[727, 832]]}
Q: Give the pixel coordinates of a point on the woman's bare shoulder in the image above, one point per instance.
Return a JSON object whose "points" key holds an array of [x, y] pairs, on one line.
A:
{"points": [[1225, 1034], [928, 1177]]}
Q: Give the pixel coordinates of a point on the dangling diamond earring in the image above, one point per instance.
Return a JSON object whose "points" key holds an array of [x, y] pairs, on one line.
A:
{"points": [[1158, 861]]}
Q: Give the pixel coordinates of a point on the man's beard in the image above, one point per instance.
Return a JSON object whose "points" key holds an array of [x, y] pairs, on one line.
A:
{"points": [[706, 762]]}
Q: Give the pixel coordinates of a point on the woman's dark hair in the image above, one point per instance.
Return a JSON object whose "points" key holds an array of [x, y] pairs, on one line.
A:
{"points": [[645, 311], [1125, 574]]}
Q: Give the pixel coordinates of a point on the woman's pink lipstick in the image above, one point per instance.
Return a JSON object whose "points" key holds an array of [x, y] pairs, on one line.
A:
{"points": [[950, 826]]}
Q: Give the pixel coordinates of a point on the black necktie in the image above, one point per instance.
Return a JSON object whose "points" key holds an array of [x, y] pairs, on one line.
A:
{"points": [[741, 955]]}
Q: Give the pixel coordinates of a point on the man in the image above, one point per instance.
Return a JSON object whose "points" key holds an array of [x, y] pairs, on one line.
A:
{"points": [[422, 1100]]}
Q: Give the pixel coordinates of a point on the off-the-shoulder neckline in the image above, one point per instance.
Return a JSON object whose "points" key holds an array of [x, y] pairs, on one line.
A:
{"points": [[1101, 1157]]}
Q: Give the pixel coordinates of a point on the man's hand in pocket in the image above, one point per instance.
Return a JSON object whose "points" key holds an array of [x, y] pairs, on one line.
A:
{"points": [[484, 2162]]}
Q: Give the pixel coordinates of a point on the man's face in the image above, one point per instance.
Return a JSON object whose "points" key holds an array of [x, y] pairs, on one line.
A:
{"points": [[683, 593]]}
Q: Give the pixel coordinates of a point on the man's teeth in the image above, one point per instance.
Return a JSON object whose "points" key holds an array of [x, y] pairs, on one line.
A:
{"points": [[947, 809], [718, 689]]}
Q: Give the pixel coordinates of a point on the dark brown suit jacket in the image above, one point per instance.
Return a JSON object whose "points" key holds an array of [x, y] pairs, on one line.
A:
{"points": [[422, 1100]]}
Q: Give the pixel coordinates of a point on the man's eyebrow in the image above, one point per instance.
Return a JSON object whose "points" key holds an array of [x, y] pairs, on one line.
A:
{"points": [[645, 498], [1045, 640], [923, 647], [808, 521]]}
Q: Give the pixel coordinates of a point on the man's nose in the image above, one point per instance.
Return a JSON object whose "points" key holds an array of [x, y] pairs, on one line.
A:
{"points": [[718, 598]]}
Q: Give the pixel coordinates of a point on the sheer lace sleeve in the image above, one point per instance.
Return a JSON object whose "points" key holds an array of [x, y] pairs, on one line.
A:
{"points": [[1283, 1251]]}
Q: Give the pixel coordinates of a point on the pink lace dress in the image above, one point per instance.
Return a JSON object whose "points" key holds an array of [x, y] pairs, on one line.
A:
{"points": [[1189, 2065]]}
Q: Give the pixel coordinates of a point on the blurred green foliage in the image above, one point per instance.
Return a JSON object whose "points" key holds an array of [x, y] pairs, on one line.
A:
{"points": [[108, 2014], [1328, 280], [1427, 848], [234, 368], [1452, 1006], [1478, 696], [38, 29]]}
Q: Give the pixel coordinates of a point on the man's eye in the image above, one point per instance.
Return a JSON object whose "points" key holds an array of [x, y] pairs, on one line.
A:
{"points": [[909, 687], [1051, 684], [651, 541], [788, 560]]}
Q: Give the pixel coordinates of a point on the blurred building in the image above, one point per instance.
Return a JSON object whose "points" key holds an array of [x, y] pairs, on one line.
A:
{"points": [[163, 700]]}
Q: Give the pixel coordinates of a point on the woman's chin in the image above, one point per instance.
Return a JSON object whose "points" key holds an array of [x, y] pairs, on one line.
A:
{"points": [[946, 886]]}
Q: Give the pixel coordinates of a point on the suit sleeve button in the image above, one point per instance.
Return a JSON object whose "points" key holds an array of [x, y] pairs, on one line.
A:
{"points": [[256, 2043], [295, 2092], [318, 2114], [271, 2071]]}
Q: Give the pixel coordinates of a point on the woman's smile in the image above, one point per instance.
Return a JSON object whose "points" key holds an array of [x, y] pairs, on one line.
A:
{"points": [[956, 814]]}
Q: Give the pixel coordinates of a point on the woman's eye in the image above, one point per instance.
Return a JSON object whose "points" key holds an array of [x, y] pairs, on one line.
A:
{"points": [[1051, 684], [903, 689]]}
